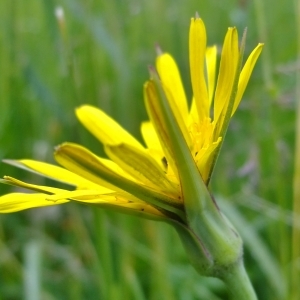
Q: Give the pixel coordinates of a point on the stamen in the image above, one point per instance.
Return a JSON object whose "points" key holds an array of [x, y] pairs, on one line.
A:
{"points": [[201, 135]]}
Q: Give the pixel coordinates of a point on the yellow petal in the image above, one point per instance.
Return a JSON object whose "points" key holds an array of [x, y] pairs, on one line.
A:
{"points": [[37, 188], [172, 85], [103, 127], [142, 167], [193, 115], [205, 160], [139, 209], [53, 172], [197, 49], [80, 194], [211, 61], [151, 101], [153, 145], [150, 136], [73, 166], [170, 78], [81, 161], [18, 201], [245, 75], [114, 201], [111, 165], [123, 205], [227, 72]]}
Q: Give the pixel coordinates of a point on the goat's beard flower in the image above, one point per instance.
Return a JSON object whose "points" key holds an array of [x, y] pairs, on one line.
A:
{"points": [[167, 179]]}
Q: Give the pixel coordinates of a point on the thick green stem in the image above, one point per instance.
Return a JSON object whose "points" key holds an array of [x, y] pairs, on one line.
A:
{"points": [[238, 283]]}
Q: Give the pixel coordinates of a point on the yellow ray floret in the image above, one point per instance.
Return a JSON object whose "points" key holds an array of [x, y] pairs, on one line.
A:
{"points": [[197, 46]]}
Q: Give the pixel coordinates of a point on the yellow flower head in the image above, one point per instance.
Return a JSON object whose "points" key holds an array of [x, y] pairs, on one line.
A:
{"points": [[203, 127], [150, 180]]}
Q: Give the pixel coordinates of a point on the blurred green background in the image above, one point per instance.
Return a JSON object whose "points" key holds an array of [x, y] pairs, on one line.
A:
{"points": [[98, 54]]}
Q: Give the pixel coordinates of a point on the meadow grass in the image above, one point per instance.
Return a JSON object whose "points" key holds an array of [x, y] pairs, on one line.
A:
{"points": [[99, 54]]}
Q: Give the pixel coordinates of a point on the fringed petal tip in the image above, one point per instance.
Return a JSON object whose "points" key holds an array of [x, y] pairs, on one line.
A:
{"points": [[196, 17], [158, 50]]}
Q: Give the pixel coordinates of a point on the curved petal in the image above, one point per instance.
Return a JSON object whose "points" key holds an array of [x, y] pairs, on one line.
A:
{"points": [[172, 85], [197, 49], [211, 62], [245, 75], [227, 72], [153, 144], [54, 172], [103, 127], [80, 160], [19, 201], [111, 165], [170, 78], [205, 160], [34, 187], [150, 136], [143, 167], [114, 201], [80, 194], [152, 106]]}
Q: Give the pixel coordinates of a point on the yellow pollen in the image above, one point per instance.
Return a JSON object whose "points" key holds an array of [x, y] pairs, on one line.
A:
{"points": [[201, 135]]}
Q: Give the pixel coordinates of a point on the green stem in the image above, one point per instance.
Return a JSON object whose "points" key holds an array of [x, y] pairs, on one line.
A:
{"points": [[294, 292], [238, 283]]}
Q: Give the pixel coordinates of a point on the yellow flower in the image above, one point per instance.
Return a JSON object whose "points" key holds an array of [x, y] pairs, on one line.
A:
{"points": [[202, 131], [148, 180]]}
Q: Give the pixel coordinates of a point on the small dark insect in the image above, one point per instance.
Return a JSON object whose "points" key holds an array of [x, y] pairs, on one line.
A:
{"points": [[165, 162]]}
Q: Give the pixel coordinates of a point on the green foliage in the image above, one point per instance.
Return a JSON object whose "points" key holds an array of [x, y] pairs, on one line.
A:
{"points": [[99, 55]]}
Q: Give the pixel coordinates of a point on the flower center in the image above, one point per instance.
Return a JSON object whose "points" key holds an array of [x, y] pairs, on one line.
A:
{"points": [[202, 136]]}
